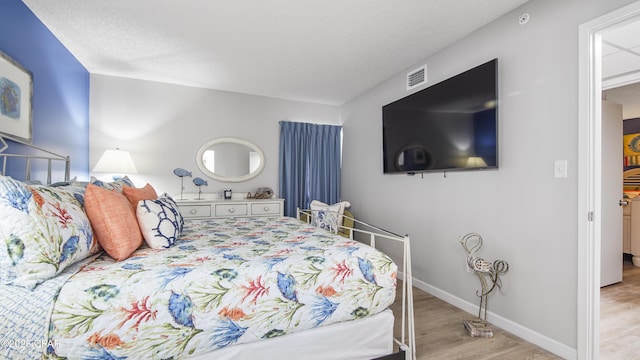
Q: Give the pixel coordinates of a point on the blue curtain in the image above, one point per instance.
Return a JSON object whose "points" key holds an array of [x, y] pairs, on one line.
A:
{"points": [[310, 157]]}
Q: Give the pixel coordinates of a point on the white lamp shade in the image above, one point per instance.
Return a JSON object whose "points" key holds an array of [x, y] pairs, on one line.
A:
{"points": [[476, 162], [116, 162]]}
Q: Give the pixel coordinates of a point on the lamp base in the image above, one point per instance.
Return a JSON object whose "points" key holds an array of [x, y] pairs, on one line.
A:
{"points": [[477, 328]]}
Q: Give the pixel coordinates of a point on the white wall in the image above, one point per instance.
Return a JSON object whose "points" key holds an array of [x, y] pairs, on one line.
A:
{"points": [[164, 125], [525, 215], [631, 111]]}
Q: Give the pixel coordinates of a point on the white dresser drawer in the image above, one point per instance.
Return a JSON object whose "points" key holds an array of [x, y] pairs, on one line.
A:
{"points": [[218, 208], [266, 208], [225, 210], [195, 211]]}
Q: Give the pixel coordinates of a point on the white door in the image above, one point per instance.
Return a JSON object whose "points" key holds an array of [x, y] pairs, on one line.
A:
{"points": [[611, 244]]}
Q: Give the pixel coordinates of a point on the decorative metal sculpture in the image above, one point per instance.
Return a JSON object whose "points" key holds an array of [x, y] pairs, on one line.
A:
{"points": [[489, 275], [200, 183], [181, 173]]}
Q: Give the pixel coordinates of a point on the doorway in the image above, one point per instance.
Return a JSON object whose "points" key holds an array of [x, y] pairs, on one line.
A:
{"points": [[621, 100], [590, 177]]}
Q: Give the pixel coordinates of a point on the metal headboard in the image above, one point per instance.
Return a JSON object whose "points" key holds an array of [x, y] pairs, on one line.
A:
{"points": [[50, 157]]}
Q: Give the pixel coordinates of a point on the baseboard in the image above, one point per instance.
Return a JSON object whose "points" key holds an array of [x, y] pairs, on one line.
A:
{"points": [[400, 355], [516, 329]]}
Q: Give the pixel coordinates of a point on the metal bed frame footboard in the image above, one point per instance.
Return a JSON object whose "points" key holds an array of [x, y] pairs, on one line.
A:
{"points": [[407, 340], [49, 156]]}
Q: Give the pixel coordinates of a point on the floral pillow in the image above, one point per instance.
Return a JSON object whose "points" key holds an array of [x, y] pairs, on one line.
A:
{"points": [[77, 188], [325, 216], [338, 208], [117, 184], [43, 230], [160, 221]]}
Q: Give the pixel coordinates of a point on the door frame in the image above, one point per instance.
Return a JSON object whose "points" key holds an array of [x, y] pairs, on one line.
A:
{"points": [[590, 174]]}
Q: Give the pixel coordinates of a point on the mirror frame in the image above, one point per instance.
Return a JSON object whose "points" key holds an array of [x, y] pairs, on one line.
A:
{"points": [[229, 140]]}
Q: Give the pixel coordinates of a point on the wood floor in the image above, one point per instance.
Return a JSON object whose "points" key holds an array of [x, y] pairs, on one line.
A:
{"points": [[440, 334], [620, 316]]}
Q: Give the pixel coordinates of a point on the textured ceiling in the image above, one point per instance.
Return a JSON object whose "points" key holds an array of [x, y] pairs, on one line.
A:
{"points": [[621, 65], [324, 51]]}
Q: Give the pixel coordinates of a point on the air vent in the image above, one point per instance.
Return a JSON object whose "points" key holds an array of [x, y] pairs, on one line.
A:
{"points": [[417, 77]]}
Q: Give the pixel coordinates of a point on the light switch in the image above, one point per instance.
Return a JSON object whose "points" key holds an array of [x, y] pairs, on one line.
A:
{"points": [[560, 169]]}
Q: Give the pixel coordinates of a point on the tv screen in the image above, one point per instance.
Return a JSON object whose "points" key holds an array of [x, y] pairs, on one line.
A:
{"points": [[452, 125]]}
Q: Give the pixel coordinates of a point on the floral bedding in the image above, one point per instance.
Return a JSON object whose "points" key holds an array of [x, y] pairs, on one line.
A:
{"points": [[225, 282]]}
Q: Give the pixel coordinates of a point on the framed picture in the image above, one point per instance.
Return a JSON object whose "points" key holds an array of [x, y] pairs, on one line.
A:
{"points": [[631, 150], [16, 94]]}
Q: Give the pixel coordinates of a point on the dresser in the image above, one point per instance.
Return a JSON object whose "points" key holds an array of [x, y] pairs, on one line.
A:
{"points": [[220, 208]]}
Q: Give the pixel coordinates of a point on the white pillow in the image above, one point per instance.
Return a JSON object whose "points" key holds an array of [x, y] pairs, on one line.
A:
{"points": [[328, 217], [160, 221]]}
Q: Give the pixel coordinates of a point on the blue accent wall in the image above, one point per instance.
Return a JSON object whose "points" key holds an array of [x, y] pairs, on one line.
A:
{"points": [[60, 85]]}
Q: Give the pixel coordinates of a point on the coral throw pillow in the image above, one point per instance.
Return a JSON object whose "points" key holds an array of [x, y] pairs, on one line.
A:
{"points": [[113, 220], [134, 195]]}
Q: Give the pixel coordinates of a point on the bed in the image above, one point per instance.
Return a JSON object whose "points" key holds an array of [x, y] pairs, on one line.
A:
{"points": [[225, 288]]}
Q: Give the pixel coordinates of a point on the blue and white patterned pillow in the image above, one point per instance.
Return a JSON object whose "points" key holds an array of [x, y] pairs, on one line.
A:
{"points": [[160, 221], [325, 216], [43, 230]]}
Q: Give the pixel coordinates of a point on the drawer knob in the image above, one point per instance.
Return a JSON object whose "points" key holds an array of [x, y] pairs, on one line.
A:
{"points": [[266, 208], [232, 210], [193, 211]]}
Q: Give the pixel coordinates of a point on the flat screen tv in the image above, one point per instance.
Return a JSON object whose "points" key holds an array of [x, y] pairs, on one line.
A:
{"points": [[452, 125]]}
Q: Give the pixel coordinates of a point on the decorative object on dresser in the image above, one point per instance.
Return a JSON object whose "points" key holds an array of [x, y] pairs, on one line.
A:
{"points": [[261, 193], [181, 173], [199, 182], [228, 194], [484, 269]]}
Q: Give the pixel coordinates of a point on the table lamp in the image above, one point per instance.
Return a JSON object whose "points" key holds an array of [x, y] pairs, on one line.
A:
{"points": [[116, 162]]}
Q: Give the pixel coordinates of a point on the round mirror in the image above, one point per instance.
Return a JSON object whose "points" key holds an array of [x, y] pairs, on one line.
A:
{"points": [[230, 159]]}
